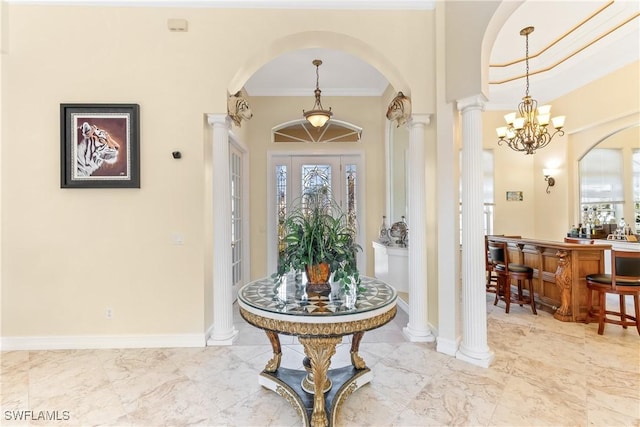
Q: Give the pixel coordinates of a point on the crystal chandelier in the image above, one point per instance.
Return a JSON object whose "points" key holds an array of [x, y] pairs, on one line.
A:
{"points": [[527, 131], [318, 116]]}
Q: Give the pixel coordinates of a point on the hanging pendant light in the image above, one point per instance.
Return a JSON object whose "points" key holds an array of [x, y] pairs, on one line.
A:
{"points": [[527, 131], [318, 116]]}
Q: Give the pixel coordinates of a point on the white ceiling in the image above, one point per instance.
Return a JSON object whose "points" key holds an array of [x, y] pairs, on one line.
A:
{"points": [[293, 74], [342, 74]]}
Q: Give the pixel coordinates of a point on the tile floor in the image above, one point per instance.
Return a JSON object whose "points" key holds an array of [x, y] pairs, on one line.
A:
{"points": [[546, 373]]}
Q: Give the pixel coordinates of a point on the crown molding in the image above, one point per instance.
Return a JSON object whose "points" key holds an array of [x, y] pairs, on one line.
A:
{"points": [[247, 4]]}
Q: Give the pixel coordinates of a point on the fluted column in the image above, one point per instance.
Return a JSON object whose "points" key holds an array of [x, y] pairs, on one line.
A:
{"points": [[474, 348], [417, 330], [223, 332]]}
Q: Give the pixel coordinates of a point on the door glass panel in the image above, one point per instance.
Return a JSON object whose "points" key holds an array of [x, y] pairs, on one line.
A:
{"points": [[350, 191], [281, 203], [236, 216], [316, 183]]}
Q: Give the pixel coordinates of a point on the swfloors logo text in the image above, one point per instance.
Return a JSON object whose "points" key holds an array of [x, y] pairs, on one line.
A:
{"points": [[22, 415]]}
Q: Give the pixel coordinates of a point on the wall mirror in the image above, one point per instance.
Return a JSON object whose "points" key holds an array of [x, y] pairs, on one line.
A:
{"points": [[610, 180], [397, 170]]}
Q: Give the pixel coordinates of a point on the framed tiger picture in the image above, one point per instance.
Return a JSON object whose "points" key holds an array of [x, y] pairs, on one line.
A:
{"points": [[99, 146]]}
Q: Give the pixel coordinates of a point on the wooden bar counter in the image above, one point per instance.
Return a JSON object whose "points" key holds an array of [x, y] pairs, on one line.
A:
{"points": [[559, 272]]}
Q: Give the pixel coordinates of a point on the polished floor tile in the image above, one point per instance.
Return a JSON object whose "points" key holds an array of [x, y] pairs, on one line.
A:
{"points": [[545, 373]]}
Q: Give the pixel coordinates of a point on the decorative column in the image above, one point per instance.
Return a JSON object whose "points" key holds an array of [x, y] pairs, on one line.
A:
{"points": [[417, 330], [474, 348], [223, 332]]}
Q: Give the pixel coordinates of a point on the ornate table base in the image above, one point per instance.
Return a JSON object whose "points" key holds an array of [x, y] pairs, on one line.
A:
{"points": [[317, 409], [319, 322], [287, 383], [300, 388]]}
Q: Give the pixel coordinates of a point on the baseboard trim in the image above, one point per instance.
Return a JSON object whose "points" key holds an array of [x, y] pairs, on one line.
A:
{"points": [[447, 346], [403, 305], [85, 342]]}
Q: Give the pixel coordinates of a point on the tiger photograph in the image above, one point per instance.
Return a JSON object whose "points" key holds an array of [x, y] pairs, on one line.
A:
{"points": [[101, 147]]}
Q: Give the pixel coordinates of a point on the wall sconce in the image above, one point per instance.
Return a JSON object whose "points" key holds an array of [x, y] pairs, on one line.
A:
{"points": [[547, 177]]}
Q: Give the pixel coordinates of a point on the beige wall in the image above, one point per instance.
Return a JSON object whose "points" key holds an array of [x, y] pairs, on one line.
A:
{"points": [[68, 254], [4, 40], [598, 111]]}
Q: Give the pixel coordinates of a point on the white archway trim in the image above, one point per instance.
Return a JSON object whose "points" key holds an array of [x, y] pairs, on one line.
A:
{"points": [[313, 39], [502, 13]]}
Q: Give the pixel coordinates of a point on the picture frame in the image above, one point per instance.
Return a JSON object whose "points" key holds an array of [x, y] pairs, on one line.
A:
{"points": [[515, 196], [99, 146]]}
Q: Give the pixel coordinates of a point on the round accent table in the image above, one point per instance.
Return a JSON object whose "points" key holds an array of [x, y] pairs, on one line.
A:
{"points": [[319, 322]]}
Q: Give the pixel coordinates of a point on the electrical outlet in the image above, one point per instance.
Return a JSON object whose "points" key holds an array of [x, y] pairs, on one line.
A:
{"points": [[109, 313], [177, 238]]}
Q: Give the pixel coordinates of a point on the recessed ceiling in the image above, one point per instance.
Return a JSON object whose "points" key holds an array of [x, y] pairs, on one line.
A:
{"points": [[585, 41], [574, 43], [293, 74]]}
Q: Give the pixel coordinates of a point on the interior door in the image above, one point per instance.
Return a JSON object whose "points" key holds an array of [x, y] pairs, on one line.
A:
{"points": [[237, 217]]}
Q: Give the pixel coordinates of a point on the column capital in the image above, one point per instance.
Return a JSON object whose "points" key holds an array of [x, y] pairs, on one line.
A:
{"points": [[219, 119], [419, 119], [475, 102]]}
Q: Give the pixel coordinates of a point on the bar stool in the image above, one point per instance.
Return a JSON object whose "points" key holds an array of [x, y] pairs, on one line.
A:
{"points": [[491, 276], [623, 281], [508, 271]]}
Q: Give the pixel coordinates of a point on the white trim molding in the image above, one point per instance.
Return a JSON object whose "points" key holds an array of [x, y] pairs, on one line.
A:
{"points": [[85, 342]]}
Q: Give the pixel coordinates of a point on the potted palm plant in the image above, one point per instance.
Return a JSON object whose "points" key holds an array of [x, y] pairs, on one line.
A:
{"points": [[319, 240]]}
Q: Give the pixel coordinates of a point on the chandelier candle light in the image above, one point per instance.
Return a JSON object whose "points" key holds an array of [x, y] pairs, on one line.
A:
{"points": [[318, 116], [528, 131]]}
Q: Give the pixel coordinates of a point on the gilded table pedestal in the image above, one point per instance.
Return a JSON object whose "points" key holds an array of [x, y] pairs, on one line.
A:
{"points": [[319, 322]]}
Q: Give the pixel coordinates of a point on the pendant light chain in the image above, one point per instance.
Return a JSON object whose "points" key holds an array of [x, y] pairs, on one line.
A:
{"points": [[318, 116], [527, 61]]}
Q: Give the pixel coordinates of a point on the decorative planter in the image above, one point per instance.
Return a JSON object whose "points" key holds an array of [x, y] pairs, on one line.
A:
{"points": [[318, 278]]}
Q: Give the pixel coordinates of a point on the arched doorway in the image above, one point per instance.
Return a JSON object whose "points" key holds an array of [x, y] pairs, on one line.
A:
{"points": [[289, 43]]}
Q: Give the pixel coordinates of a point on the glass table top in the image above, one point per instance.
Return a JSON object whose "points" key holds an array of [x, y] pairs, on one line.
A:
{"points": [[290, 297]]}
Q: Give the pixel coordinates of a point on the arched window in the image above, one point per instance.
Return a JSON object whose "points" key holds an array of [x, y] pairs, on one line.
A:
{"points": [[301, 131]]}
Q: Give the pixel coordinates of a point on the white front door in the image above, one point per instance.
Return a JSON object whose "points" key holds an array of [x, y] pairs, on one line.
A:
{"points": [[293, 175], [311, 173]]}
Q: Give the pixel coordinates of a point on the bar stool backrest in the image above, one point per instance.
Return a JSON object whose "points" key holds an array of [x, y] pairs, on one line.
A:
{"points": [[498, 252], [625, 265]]}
